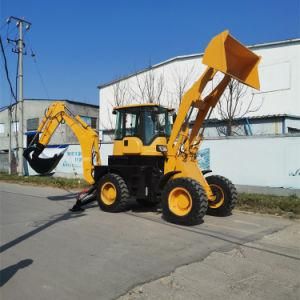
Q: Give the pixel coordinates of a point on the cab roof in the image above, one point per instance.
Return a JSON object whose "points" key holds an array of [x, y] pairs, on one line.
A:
{"points": [[142, 105]]}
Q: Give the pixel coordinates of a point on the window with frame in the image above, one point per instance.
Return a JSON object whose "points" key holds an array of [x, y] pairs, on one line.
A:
{"points": [[94, 123], [91, 121], [32, 124]]}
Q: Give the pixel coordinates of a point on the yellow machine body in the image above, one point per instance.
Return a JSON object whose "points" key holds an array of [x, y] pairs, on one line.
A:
{"points": [[134, 146]]}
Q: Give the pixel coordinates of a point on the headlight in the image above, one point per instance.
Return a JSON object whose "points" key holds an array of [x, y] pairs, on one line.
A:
{"points": [[161, 148]]}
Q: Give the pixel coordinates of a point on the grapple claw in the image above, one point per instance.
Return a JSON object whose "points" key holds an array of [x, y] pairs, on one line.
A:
{"points": [[39, 164]]}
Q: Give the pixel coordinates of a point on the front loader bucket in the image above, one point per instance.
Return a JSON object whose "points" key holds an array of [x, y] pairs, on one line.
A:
{"points": [[227, 55], [39, 164]]}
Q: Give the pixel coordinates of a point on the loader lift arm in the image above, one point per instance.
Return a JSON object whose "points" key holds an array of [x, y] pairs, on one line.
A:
{"points": [[226, 55], [56, 114]]}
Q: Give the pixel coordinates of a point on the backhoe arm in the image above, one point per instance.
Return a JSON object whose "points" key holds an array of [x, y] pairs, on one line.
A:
{"points": [[87, 137]]}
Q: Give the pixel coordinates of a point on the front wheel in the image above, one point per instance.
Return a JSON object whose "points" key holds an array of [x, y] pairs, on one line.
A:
{"points": [[112, 193], [184, 201], [225, 196]]}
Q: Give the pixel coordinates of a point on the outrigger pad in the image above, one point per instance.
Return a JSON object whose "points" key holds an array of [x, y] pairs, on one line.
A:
{"points": [[41, 165]]}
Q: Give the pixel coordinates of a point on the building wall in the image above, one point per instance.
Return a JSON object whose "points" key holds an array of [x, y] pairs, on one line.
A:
{"points": [[36, 109], [279, 73], [272, 161], [262, 161]]}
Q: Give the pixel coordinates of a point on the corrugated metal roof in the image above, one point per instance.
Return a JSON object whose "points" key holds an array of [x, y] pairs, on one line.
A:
{"points": [[275, 116], [191, 56], [64, 100]]}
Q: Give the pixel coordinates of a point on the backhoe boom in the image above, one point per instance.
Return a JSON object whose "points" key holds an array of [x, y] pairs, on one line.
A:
{"points": [[87, 137]]}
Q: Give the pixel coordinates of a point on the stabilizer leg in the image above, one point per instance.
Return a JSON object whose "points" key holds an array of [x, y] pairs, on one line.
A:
{"points": [[83, 198]]}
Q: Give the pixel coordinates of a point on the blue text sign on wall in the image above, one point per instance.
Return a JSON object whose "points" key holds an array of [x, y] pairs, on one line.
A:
{"points": [[203, 158]]}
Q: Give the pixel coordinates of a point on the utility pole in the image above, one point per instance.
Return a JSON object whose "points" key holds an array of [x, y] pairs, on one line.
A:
{"points": [[9, 130], [20, 105]]}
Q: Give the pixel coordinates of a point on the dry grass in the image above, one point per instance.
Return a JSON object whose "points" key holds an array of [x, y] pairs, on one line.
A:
{"points": [[270, 204], [58, 182]]}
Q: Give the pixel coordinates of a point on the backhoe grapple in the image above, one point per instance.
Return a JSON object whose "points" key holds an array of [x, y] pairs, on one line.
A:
{"points": [[41, 165], [154, 160]]}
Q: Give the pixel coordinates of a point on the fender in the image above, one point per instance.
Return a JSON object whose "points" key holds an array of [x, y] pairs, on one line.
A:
{"points": [[206, 172], [165, 178]]}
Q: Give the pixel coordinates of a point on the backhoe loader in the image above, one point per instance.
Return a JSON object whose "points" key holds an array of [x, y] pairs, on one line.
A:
{"points": [[154, 160]]}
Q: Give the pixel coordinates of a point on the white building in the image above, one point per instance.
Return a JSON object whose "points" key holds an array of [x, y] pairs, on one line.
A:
{"points": [[279, 73]]}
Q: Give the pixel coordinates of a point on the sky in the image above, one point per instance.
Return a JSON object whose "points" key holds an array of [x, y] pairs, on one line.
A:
{"points": [[79, 44]]}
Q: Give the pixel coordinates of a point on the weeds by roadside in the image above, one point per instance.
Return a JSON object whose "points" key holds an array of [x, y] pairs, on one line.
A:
{"points": [[269, 204], [58, 182]]}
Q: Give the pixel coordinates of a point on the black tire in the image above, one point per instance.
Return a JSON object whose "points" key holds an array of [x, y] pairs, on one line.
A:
{"points": [[222, 187], [198, 206], [121, 190]]}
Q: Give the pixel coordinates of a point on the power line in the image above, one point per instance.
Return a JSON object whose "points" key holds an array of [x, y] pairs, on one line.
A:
{"points": [[41, 77], [33, 55], [6, 70]]}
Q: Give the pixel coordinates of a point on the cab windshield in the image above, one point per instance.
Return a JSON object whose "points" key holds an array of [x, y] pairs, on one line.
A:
{"points": [[146, 123]]}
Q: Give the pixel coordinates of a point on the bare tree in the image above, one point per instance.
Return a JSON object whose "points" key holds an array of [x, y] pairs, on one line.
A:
{"points": [[120, 97], [120, 93], [149, 87], [233, 106], [181, 80]]}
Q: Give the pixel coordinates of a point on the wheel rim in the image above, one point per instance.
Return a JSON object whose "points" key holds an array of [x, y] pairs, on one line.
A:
{"points": [[218, 196], [108, 193], [180, 201]]}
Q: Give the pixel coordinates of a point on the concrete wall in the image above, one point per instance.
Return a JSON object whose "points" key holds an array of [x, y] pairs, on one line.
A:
{"points": [[272, 161], [262, 161], [279, 72]]}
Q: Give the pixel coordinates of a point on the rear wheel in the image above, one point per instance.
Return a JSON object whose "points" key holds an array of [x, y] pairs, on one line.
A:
{"points": [[225, 196], [184, 201], [112, 193]]}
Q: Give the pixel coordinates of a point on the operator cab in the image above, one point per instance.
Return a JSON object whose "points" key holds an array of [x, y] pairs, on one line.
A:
{"points": [[145, 122]]}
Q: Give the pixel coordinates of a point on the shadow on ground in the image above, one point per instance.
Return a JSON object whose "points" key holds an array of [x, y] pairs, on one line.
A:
{"points": [[44, 224], [7, 273]]}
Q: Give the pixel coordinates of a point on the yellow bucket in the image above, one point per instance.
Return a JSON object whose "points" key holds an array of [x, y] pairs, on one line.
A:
{"points": [[229, 56]]}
